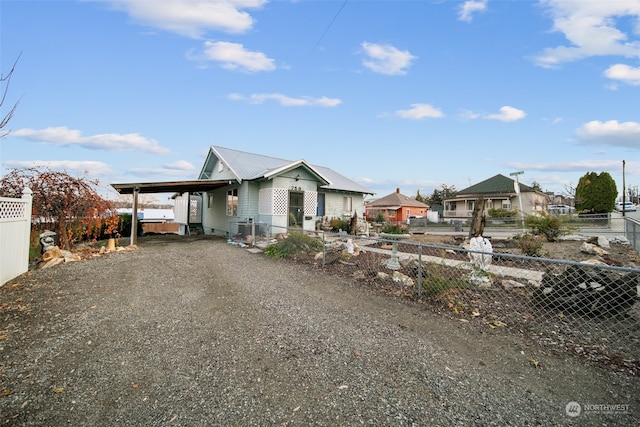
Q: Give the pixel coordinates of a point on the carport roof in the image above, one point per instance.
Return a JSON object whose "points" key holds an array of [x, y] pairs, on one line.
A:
{"points": [[169, 186]]}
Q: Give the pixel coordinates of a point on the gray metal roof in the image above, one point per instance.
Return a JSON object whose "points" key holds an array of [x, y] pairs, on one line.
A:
{"points": [[251, 166]]}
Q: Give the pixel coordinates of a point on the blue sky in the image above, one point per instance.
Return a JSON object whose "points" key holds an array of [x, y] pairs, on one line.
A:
{"points": [[392, 94]]}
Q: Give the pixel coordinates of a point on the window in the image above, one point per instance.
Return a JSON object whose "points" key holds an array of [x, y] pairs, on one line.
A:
{"points": [[232, 202], [347, 205], [220, 166], [320, 209], [209, 200]]}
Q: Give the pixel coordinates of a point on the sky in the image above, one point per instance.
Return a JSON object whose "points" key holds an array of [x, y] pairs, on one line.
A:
{"points": [[392, 94]]}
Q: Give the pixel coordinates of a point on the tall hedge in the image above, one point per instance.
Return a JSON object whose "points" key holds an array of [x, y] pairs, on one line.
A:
{"points": [[596, 193]]}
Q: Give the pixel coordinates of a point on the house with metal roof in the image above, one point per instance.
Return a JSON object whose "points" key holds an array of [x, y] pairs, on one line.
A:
{"points": [[499, 192], [396, 208], [255, 190]]}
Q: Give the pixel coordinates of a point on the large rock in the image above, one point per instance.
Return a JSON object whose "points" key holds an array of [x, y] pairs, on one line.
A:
{"points": [[51, 253], [55, 256], [591, 249], [588, 291]]}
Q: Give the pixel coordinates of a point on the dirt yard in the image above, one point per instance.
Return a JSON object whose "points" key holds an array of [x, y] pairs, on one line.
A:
{"points": [[193, 331]]}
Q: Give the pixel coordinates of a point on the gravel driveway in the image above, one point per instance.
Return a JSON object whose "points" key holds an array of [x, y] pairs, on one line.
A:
{"points": [[191, 331]]}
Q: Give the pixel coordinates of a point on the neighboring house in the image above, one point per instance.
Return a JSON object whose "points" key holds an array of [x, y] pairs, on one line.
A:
{"points": [[249, 190], [396, 208], [499, 192]]}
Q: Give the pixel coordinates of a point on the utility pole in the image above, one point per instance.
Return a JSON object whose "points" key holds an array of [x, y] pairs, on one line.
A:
{"points": [[624, 190], [516, 187]]}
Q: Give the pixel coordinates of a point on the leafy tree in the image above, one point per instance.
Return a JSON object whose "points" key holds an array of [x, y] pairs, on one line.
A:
{"points": [[596, 193], [439, 194], [420, 198], [72, 205], [536, 186]]}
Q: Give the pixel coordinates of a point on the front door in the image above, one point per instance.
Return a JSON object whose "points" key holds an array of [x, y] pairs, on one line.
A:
{"points": [[296, 208]]}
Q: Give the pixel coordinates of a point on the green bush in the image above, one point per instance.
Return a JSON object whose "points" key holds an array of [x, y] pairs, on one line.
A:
{"points": [[340, 224], [380, 219], [546, 225], [530, 245], [440, 278], [124, 226], [295, 243], [394, 229], [502, 213]]}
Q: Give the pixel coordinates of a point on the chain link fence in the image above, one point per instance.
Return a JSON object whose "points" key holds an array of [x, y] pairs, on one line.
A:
{"points": [[588, 308], [632, 233]]}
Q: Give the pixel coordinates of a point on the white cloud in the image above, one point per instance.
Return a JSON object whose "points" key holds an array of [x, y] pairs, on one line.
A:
{"points": [[386, 59], [419, 112], [624, 73], [161, 171], [64, 136], [191, 18], [612, 132], [233, 56], [73, 167], [180, 165], [179, 168], [286, 101], [468, 115], [507, 114], [591, 30], [468, 8], [570, 166]]}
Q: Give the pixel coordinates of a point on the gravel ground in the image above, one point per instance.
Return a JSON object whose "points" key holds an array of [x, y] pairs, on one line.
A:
{"points": [[196, 332]]}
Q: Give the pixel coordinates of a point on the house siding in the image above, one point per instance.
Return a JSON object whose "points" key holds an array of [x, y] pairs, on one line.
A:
{"points": [[225, 174], [334, 204], [266, 200], [214, 215]]}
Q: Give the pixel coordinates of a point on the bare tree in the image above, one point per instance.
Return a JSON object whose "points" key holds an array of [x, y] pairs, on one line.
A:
{"points": [[6, 80], [570, 192]]}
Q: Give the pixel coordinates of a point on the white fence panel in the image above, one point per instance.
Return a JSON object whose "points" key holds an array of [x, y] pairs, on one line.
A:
{"points": [[15, 230], [181, 209]]}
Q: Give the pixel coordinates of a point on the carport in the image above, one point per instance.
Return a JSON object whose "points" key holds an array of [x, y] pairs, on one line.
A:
{"points": [[178, 187]]}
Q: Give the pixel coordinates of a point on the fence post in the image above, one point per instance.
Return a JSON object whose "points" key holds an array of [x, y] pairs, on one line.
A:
{"points": [[324, 251], [27, 196], [419, 270]]}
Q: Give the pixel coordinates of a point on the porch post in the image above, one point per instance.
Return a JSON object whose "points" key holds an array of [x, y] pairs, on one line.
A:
{"points": [[134, 217]]}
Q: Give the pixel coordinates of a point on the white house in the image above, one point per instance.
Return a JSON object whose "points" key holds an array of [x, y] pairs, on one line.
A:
{"points": [[499, 192], [237, 189]]}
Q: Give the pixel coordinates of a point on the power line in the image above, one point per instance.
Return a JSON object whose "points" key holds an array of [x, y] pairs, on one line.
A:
{"points": [[326, 30]]}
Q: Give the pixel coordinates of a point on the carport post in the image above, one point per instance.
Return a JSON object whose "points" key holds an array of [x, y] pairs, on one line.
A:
{"points": [[134, 217]]}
